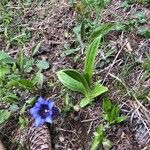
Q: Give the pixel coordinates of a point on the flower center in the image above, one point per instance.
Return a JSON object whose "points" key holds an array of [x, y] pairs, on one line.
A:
{"points": [[44, 111]]}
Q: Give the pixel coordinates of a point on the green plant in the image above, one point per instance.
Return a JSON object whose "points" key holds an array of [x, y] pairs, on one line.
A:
{"points": [[14, 78], [82, 82], [111, 112], [100, 139], [76, 81]]}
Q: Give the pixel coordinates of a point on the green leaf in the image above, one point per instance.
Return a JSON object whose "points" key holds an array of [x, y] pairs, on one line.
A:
{"points": [[114, 114], [11, 98], [42, 64], [107, 105], [3, 71], [73, 80], [23, 83], [84, 102], [144, 32], [31, 101], [5, 58], [102, 30], [39, 79], [122, 118], [99, 136], [98, 90], [36, 49], [22, 122], [4, 115], [90, 60], [28, 64]]}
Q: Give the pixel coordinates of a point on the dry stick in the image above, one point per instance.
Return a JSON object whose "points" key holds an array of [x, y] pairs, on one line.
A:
{"points": [[143, 121], [114, 62]]}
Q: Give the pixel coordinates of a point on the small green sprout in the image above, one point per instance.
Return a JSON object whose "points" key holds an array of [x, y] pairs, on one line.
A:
{"points": [[111, 112], [100, 139]]}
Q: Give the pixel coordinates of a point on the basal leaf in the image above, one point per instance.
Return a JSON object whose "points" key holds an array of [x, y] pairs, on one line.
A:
{"points": [[98, 90], [90, 59], [72, 80], [84, 102]]}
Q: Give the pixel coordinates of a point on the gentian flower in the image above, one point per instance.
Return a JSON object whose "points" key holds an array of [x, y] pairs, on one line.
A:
{"points": [[43, 111]]}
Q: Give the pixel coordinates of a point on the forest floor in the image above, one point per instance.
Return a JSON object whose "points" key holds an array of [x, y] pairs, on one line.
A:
{"points": [[122, 64]]}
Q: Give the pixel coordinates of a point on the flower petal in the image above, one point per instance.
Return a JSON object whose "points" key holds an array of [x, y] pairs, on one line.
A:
{"points": [[49, 119], [39, 121], [41, 100], [50, 104], [34, 111], [37, 104]]}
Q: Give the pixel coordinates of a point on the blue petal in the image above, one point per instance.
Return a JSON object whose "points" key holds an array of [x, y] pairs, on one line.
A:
{"points": [[37, 104], [46, 102], [49, 119], [50, 104], [41, 100], [34, 111], [39, 121]]}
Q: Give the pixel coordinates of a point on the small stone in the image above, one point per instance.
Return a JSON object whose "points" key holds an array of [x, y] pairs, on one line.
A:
{"points": [[61, 139]]}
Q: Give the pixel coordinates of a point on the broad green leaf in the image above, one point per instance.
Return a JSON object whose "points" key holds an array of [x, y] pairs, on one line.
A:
{"points": [[90, 60], [42, 64], [73, 80], [4, 115], [84, 102], [5, 58], [102, 30], [76, 75], [3, 55], [98, 90]]}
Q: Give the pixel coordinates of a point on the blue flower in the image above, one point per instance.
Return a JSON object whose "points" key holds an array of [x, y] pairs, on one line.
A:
{"points": [[43, 111]]}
